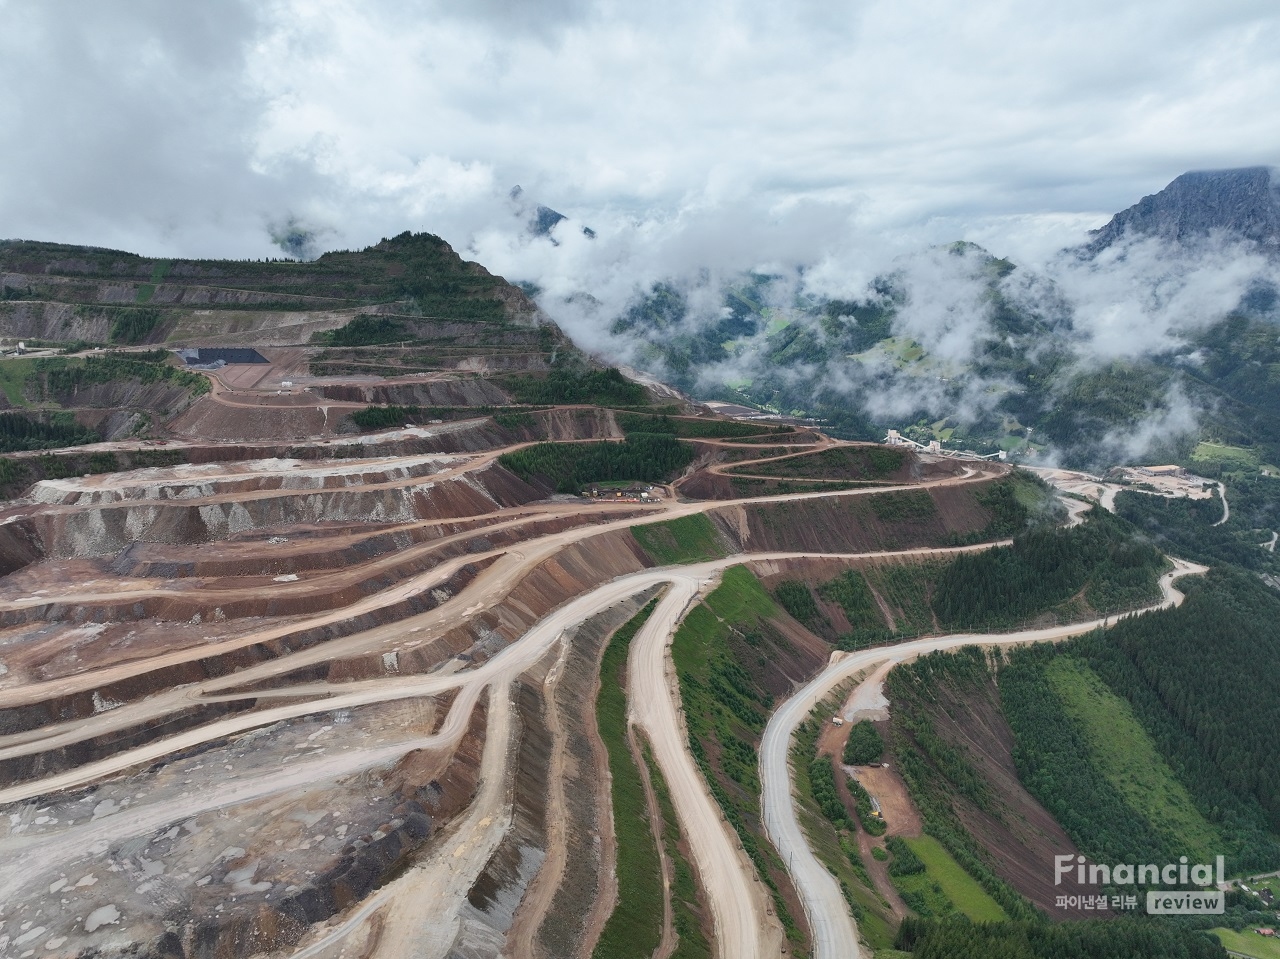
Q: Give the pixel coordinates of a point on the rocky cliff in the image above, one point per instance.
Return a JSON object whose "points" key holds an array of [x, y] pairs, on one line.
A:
{"points": [[1243, 203]]}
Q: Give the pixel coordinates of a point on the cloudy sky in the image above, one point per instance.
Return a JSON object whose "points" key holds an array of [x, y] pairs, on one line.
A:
{"points": [[727, 134]]}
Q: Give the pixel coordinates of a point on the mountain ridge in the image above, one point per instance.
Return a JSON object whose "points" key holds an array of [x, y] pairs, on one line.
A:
{"points": [[1244, 201]]}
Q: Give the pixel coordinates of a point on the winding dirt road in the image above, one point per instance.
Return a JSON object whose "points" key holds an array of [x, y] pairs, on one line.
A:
{"points": [[418, 913], [835, 932], [738, 904]]}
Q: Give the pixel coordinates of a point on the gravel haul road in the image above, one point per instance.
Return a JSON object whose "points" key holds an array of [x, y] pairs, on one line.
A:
{"points": [[737, 902], [239, 692], [835, 933]]}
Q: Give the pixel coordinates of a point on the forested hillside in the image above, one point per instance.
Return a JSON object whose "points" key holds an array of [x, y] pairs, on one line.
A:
{"points": [[1118, 939], [1190, 528], [1148, 741], [1203, 680], [1100, 564], [19, 432], [568, 467], [1060, 574], [1180, 702]]}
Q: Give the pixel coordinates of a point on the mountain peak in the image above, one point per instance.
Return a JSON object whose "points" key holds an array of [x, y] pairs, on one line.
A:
{"points": [[1244, 202]]}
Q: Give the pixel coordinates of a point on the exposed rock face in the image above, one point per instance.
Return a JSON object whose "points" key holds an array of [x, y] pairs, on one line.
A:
{"points": [[1243, 203], [69, 527]]}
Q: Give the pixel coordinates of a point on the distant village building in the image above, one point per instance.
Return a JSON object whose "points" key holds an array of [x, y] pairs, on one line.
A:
{"points": [[1161, 470]]}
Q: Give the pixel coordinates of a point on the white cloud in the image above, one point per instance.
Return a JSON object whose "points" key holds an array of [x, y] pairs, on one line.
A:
{"points": [[186, 128], [1142, 296]]}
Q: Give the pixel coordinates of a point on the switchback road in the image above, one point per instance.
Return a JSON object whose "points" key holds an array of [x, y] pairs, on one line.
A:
{"points": [[834, 931]]}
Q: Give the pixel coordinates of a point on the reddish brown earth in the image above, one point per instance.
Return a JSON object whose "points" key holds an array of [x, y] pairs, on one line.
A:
{"points": [[850, 524], [274, 586]]}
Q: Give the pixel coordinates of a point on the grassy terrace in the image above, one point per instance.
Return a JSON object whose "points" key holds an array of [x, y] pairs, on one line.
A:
{"points": [[690, 539], [842, 463], [635, 927], [943, 887], [689, 428], [1123, 750], [13, 377], [1249, 943]]}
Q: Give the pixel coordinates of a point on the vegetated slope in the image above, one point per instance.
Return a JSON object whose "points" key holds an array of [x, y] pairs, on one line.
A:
{"points": [[691, 917], [843, 609], [100, 380], [727, 469], [568, 467], [1143, 743], [1116, 939], [934, 884], [103, 396], [1049, 575], [1191, 528], [702, 428], [939, 516], [689, 539], [635, 926], [954, 750], [19, 432], [870, 462], [1201, 681], [408, 305], [733, 654], [1099, 566], [418, 268], [980, 786], [588, 870], [1118, 746], [405, 305]]}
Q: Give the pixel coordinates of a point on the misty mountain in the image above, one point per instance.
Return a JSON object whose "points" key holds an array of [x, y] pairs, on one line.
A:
{"points": [[540, 220], [1089, 361], [1244, 203]]}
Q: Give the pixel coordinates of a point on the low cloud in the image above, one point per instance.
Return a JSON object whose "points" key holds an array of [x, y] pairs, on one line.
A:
{"points": [[298, 240], [1142, 300], [1145, 296], [1167, 419]]}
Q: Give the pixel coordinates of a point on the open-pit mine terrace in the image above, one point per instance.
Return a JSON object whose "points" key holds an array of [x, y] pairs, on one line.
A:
{"points": [[321, 705]]}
